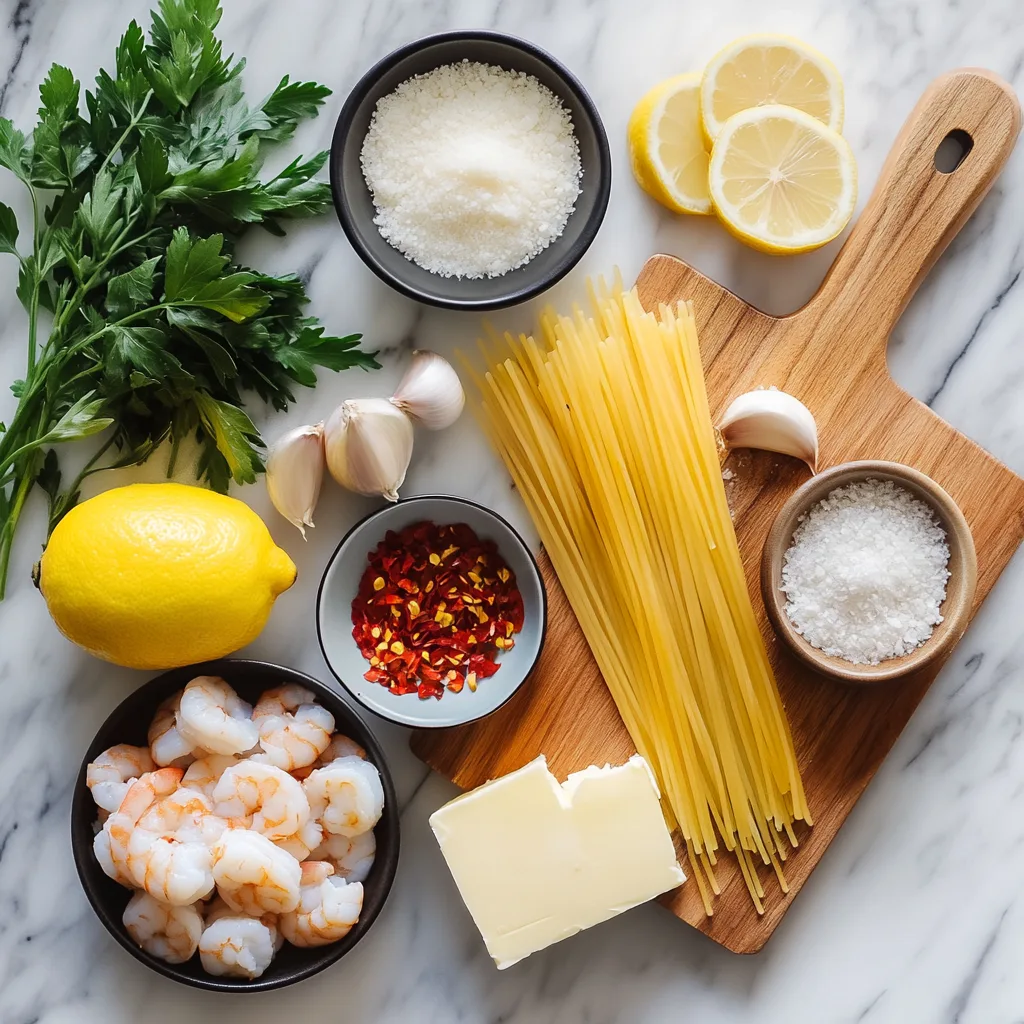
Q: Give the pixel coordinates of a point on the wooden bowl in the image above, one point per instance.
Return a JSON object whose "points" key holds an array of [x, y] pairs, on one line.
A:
{"points": [[963, 569]]}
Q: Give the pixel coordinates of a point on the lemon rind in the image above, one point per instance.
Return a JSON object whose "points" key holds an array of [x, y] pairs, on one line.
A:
{"points": [[646, 170]]}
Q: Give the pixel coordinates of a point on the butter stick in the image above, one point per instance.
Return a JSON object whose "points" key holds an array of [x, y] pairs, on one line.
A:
{"points": [[536, 861]]}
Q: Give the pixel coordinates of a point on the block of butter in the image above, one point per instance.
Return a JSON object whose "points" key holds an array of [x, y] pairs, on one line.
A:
{"points": [[536, 861]]}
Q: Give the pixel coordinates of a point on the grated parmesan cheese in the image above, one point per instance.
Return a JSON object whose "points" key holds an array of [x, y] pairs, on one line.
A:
{"points": [[474, 170], [866, 573]]}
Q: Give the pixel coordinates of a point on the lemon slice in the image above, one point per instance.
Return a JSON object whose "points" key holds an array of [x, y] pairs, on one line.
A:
{"points": [[759, 70], [781, 180], [666, 145]]}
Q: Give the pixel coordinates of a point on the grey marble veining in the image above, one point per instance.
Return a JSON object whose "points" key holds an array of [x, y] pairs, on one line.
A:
{"points": [[916, 914]]}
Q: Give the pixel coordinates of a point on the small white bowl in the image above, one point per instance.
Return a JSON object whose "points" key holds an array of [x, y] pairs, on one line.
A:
{"points": [[340, 585]]}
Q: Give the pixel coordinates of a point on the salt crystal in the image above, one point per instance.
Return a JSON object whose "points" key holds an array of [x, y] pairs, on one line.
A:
{"points": [[866, 573]]}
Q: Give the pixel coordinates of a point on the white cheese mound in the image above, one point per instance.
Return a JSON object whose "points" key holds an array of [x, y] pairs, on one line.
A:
{"points": [[866, 573], [474, 170]]}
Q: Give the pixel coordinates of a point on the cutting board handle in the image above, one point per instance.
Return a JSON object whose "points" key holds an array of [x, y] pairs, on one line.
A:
{"points": [[915, 209]]}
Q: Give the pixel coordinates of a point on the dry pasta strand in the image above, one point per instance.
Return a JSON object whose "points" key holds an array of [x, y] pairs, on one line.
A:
{"points": [[604, 426]]}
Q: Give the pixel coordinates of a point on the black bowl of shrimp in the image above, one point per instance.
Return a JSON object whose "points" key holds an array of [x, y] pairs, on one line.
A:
{"points": [[235, 825]]}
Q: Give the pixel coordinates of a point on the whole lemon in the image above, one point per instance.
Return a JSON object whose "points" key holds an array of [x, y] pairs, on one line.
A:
{"points": [[160, 575]]}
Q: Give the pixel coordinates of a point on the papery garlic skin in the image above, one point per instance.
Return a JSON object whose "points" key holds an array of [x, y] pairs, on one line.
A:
{"points": [[295, 471], [773, 421], [368, 444], [431, 392]]}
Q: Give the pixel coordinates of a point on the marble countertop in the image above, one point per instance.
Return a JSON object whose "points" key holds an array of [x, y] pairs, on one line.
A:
{"points": [[916, 914]]}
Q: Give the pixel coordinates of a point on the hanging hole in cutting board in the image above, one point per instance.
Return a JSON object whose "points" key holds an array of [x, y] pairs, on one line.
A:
{"points": [[952, 151]]}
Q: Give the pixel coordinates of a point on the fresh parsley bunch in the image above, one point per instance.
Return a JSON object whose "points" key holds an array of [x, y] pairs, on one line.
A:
{"points": [[153, 332]]}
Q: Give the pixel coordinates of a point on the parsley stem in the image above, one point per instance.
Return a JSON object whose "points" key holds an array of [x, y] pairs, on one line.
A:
{"points": [[124, 135], [10, 526], [130, 318], [23, 411], [73, 304], [87, 470], [33, 305], [27, 447]]}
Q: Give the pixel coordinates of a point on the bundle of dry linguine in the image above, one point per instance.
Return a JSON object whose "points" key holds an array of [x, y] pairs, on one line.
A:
{"points": [[605, 427]]}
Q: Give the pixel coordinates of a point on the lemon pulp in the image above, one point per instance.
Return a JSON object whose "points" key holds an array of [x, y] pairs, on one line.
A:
{"points": [[762, 70], [781, 180]]}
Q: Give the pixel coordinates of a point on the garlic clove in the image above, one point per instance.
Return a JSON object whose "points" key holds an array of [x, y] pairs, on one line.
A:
{"points": [[368, 444], [431, 392], [774, 421], [295, 470]]}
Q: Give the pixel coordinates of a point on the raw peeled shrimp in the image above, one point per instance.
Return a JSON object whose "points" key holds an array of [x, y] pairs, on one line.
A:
{"points": [[253, 875], [307, 839], [294, 729], [328, 907], [170, 933], [212, 716], [186, 815], [237, 946], [216, 908], [346, 796], [205, 773], [350, 856], [110, 775], [111, 842], [340, 746], [161, 843], [263, 798], [166, 743], [104, 852]]}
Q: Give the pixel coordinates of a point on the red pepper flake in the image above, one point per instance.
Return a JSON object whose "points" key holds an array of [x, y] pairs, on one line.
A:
{"points": [[417, 617]]}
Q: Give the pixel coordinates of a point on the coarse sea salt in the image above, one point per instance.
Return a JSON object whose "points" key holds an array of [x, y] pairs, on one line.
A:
{"points": [[474, 170], [866, 572]]}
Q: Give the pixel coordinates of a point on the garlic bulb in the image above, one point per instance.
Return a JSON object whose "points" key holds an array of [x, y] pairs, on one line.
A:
{"points": [[295, 470], [431, 392], [368, 443], [774, 421]]}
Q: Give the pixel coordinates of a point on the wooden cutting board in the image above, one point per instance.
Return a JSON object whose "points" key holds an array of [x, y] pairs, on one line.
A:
{"points": [[831, 355]]}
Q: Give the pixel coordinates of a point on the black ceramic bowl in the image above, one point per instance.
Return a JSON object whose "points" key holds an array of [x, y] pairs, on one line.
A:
{"points": [[354, 203], [129, 722]]}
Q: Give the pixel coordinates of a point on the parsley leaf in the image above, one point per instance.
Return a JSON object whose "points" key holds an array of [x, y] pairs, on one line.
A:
{"points": [[134, 288], [60, 148], [8, 230], [83, 419], [233, 434], [288, 105], [185, 55], [99, 213], [15, 155], [310, 347], [139, 350], [294, 192], [193, 277]]}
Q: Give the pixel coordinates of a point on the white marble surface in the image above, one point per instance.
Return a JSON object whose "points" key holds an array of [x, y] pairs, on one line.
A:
{"points": [[917, 912]]}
